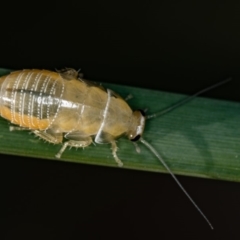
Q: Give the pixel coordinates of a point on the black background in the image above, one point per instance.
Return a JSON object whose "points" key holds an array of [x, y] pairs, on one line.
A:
{"points": [[176, 46]]}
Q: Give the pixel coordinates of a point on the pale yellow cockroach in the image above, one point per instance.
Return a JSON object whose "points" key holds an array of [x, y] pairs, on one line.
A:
{"points": [[57, 105]]}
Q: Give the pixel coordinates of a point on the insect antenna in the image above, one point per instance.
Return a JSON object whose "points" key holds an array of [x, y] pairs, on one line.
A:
{"points": [[187, 99], [151, 148]]}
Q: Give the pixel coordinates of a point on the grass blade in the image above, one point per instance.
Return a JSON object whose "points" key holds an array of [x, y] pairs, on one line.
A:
{"points": [[201, 138]]}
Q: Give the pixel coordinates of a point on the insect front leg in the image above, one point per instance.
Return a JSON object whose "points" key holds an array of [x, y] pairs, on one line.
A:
{"points": [[128, 97], [114, 152]]}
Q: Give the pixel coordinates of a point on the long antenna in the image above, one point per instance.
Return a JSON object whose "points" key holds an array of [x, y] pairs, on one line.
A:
{"points": [[187, 99], [151, 148]]}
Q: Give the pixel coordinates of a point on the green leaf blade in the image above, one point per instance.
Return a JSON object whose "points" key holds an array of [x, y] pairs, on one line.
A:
{"points": [[201, 138]]}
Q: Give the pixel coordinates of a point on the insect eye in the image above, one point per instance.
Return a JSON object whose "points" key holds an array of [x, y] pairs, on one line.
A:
{"points": [[136, 138]]}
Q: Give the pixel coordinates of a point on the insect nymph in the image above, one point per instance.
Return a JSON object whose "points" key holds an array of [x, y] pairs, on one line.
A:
{"points": [[54, 105], [58, 105]]}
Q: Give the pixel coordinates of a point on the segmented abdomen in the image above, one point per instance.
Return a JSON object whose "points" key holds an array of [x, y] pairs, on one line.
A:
{"points": [[31, 98]]}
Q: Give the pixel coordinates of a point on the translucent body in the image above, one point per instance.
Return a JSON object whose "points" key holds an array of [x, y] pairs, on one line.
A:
{"points": [[57, 104]]}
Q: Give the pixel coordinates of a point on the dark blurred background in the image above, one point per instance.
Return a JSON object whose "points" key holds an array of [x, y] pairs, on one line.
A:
{"points": [[175, 46]]}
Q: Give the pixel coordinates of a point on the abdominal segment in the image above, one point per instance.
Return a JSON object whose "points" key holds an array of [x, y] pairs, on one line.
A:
{"points": [[30, 98]]}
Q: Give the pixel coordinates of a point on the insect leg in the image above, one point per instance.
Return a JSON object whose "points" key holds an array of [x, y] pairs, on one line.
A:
{"points": [[74, 143], [128, 97], [49, 136], [114, 152], [16, 128], [138, 149], [68, 73]]}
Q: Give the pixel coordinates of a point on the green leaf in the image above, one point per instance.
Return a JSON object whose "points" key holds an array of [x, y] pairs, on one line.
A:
{"points": [[201, 138]]}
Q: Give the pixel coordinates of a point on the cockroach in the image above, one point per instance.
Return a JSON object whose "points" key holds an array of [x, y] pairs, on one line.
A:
{"points": [[58, 105]]}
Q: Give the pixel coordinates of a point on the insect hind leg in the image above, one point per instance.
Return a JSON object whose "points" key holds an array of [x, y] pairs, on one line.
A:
{"points": [[54, 138], [16, 128], [73, 143]]}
